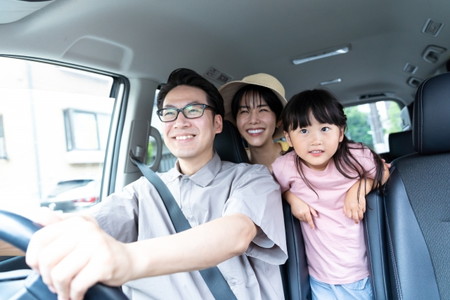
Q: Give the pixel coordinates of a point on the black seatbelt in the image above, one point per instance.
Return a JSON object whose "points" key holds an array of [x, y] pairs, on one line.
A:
{"points": [[212, 276]]}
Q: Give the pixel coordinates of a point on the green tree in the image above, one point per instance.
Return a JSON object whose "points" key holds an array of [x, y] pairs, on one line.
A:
{"points": [[358, 129], [394, 116]]}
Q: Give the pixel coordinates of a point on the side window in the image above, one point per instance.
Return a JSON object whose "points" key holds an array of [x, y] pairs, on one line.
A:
{"points": [[372, 123], [85, 130], [3, 154], [167, 159], [54, 123]]}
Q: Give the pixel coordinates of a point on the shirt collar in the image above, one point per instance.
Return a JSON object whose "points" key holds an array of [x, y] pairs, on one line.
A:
{"points": [[202, 177]]}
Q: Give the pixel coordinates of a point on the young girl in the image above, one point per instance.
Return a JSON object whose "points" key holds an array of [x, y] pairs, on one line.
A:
{"points": [[320, 170], [254, 104]]}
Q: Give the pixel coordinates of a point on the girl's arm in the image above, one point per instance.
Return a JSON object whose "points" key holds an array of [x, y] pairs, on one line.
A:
{"points": [[386, 172], [302, 211], [355, 199]]}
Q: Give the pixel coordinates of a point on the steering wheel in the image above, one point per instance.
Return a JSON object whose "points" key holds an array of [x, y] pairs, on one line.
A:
{"points": [[17, 230]]}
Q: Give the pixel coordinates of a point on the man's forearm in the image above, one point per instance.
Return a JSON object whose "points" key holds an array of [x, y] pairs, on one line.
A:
{"points": [[201, 247]]}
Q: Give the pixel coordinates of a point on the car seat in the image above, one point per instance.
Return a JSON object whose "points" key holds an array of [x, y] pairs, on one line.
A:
{"points": [[295, 272], [400, 143], [408, 222], [230, 147]]}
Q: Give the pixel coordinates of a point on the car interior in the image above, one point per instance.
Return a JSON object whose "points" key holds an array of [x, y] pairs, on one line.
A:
{"points": [[79, 79], [406, 223]]}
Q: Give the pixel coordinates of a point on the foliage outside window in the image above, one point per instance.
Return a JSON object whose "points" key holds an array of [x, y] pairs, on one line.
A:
{"points": [[372, 123]]}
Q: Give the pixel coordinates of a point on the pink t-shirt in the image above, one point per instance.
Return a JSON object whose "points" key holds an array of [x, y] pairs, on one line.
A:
{"points": [[335, 249]]}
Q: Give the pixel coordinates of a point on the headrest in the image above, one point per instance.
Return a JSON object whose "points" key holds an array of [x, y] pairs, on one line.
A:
{"points": [[431, 116], [229, 144], [400, 143]]}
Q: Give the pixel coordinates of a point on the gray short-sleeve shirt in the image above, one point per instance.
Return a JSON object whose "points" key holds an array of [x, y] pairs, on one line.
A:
{"points": [[218, 189]]}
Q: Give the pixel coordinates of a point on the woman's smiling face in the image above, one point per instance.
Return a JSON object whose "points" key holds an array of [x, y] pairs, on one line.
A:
{"points": [[255, 120]]}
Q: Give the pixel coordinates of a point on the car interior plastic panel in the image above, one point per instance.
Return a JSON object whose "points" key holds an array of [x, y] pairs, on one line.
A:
{"points": [[412, 220]]}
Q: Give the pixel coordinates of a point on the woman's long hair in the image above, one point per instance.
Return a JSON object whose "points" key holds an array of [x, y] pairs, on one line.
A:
{"points": [[326, 109]]}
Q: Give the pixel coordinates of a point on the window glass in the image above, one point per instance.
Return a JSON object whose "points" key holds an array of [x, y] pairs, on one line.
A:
{"points": [[2, 140], [54, 122], [167, 158], [372, 123], [85, 130]]}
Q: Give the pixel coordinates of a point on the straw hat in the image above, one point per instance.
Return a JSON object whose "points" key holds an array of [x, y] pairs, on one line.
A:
{"points": [[228, 90]]}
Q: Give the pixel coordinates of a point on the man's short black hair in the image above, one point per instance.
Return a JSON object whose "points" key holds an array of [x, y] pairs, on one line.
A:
{"points": [[183, 76]]}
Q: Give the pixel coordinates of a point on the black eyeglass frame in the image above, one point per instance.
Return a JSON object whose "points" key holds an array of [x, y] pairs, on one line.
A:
{"points": [[182, 110]]}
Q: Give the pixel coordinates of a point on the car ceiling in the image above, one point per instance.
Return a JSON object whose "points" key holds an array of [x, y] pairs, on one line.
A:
{"points": [[233, 38]]}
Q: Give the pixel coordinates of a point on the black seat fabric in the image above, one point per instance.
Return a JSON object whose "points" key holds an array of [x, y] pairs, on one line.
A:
{"points": [[400, 143], [230, 147], [408, 228], [295, 271]]}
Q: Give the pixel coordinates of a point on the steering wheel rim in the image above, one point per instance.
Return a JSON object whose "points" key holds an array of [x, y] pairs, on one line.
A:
{"points": [[17, 231]]}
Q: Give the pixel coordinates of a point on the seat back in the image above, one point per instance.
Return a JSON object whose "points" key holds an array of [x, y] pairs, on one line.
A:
{"points": [[229, 145], [408, 232], [295, 272]]}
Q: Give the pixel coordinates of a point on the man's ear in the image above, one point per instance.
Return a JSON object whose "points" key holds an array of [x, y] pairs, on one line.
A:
{"points": [[218, 123]]}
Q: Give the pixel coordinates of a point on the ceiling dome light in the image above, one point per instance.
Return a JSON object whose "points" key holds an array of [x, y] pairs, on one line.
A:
{"points": [[322, 54]]}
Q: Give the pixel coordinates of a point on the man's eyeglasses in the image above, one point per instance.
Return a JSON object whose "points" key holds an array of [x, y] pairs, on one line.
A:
{"points": [[190, 111]]}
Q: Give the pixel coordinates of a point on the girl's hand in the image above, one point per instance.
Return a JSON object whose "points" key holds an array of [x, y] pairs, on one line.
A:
{"points": [[354, 204], [353, 208], [302, 211], [355, 200]]}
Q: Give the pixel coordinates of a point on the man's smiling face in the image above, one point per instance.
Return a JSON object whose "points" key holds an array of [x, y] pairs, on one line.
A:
{"points": [[190, 140]]}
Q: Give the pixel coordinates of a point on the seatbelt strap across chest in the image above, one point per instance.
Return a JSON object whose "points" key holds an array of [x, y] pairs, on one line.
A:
{"points": [[212, 276]]}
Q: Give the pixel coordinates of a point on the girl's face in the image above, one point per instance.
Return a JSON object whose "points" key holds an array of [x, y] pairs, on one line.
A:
{"points": [[315, 144], [255, 120]]}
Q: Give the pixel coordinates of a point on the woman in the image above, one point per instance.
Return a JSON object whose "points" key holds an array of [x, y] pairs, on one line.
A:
{"points": [[254, 105]]}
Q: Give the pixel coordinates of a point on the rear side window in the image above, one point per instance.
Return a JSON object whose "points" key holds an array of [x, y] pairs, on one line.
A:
{"points": [[371, 123], [54, 124]]}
